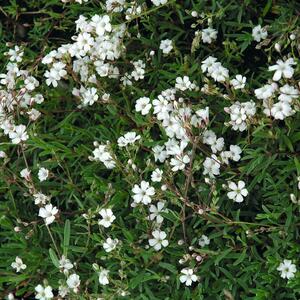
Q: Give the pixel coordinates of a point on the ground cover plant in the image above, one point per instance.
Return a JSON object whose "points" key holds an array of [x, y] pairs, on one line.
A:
{"points": [[149, 149]]}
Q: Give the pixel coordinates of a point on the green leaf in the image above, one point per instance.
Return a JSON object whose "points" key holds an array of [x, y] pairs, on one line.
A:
{"points": [[67, 233], [54, 258]]}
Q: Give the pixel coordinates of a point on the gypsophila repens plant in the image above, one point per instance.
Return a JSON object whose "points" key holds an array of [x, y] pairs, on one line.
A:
{"points": [[149, 150]]}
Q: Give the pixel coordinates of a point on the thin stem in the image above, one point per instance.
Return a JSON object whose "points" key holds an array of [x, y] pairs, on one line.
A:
{"points": [[53, 241]]}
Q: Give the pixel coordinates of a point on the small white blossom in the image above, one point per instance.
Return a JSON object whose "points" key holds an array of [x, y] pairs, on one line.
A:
{"points": [[238, 82], [259, 33], [110, 244], [43, 174], [48, 213], [103, 277], [73, 282], [143, 193], [43, 293], [159, 240], [287, 269], [18, 264], [156, 175], [107, 217], [155, 212], [18, 134], [143, 105], [209, 35], [283, 69], [203, 241], [188, 277], [238, 191], [166, 46]]}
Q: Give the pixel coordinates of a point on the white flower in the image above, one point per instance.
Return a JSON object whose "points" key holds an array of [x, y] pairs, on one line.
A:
{"points": [[238, 82], [235, 152], [101, 153], [237, 191], [143, 105], [259, 33], [265, 91], [188, 277], [107, 217], [18, 264], [166, 46], [208, 64], [219, 73], [65, 264], [211, 166], [63, 291], [40, 198], [143, 192], [159, 240], [110, 244], [43, 174], [179, 162], [209, 35], [183, 83], [103, 277], [287, 269], [203, 241], [25, 173], [156, 175], [102, 24], [48, 213], [128, 138], [159, 2], [281, 110], [160, 154], [217, 145], [43, 293], [18, 134], [283, 68], [288, 93], [73, 282], [155, 212], [89, 96]]}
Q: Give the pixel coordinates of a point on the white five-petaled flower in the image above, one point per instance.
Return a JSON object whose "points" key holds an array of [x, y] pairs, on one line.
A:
{"points": [[43, 293], [73, 282], [155, 212], [287, 269], [143, 192], [283, 69], [103, 277], [48, 213], [188, 277], [159, 2], [156, 175], [128, 138], [107, 217], [209, 35], [238, 192], [43, 174], [183, 83], [166, 46], [25, 173], [259, 33], [159, 240], [203, 241], [18, 135], [65, 264], [110, 244], [18, 264], [238, 82], [143, 105]]}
